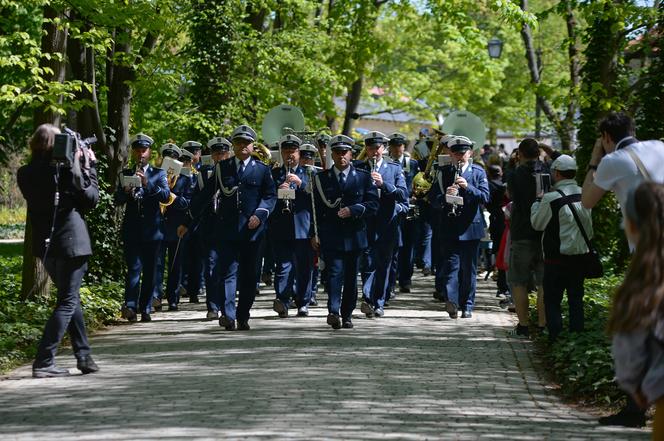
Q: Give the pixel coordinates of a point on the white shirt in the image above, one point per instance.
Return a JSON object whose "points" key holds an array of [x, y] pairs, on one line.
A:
{"points": [[617, 171], [345, 172], [246, 163]]}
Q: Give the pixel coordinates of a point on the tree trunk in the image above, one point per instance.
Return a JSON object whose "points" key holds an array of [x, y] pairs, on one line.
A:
{"points": [[35, 282], [352, 103], [53, 41], [119, 105]]}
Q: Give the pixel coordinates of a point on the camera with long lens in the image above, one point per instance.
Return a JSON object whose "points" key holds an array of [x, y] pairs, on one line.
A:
{"points": [[66, 144]]}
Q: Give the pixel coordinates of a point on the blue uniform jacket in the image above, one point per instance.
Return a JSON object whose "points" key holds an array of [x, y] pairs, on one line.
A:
{"points": [[360, 195], [393, 200], [177, 213], [143, 221], [254, 194], [410, 168], [297, 224], [202, 211], [469, 225]]}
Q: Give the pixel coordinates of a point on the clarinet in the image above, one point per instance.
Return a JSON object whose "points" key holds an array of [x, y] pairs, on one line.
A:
{"points": [[457, 172], [287, 202]]}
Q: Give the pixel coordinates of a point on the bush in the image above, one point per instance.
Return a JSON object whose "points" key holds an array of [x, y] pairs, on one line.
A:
{"points": [[581, 363], [22, 323]]}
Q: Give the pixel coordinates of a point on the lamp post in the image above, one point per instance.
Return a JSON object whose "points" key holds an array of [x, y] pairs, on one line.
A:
{"points": [[495, 47]]}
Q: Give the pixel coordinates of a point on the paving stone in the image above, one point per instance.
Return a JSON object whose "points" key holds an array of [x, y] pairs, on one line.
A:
{"points": [[414, 374]]}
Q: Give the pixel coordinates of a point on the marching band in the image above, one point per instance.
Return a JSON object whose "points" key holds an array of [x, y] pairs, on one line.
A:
{"points": [[202, 219]]}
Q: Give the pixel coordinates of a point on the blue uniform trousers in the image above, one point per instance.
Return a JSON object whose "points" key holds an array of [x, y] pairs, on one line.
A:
{"points": [[236, 270], [405, 253], [67, 274], [214, 296], [423, 241], [158, 292], [342, 267], [375, 288], [294, 262], [193, 259], [174, 269], [141, 257], [459, 271]]}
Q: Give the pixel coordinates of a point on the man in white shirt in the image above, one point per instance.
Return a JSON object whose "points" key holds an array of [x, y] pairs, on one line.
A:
{"points": [[620, 162], [614, 164]]}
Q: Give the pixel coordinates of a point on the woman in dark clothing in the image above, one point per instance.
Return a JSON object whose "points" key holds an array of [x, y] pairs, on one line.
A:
{"points": [[63, 243]]}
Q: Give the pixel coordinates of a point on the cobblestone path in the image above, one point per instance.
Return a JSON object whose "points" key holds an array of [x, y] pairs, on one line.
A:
{"points": [[413, 375]]}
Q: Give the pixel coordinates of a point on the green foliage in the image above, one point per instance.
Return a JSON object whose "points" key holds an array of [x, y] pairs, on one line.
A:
{"points": [[22, 323], [581, 363], [104, 222]]}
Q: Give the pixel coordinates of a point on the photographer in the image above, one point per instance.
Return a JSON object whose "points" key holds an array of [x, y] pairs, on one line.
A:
{"points": [[526, 251], [58, 194]]}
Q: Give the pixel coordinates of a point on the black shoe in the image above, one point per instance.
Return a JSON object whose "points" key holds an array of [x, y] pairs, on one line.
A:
{"points": [[303, 311], [437, 295], [466, 314], [243, 326], [624, 418], [146, 317], [226, 323], [405, 288], [367, 309], [173, 307], [266, 278], [334, 321], [87, 365], [313, 302], [427, 271], [129, 314], [378, 312], [49, 371], [347, 324], [520, 331], [194, 299], [156, 304], [452, 310], [280, 308]]}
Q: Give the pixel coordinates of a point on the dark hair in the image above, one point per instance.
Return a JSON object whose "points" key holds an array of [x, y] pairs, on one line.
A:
{"points": [[41, 142], [617, 125], [529, 148], [639, 300], [567, 174], [495, 171]]}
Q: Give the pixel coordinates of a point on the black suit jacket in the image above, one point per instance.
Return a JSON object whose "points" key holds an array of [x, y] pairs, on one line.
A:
{"points": [[70, 236]]}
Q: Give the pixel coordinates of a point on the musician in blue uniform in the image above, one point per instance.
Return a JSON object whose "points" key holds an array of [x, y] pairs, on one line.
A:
{"points": [[344, 197], [307, 161], [459, 190], [175, 214], [383, 229], [246, 198], [168, 150], [204, 256], [196, 150], [289, 225], [402, 263], [142, 228], [188, 252]]}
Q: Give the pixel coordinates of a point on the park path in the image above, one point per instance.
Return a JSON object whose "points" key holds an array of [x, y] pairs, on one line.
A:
{"points": [[413, 375]]}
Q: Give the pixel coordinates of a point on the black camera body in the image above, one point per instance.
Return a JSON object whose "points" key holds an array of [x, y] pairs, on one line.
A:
{"points": [[64, 148], [66, 144]]}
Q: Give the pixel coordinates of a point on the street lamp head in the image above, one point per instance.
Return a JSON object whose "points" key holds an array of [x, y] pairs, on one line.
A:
{"points": [[495, 47]]}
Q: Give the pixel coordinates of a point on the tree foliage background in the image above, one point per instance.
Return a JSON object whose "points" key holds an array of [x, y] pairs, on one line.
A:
{"points": [[192, 69]]}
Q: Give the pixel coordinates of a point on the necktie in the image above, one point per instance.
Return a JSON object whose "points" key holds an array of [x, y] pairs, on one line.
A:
{"points": [[240, 171], [342, 180]]}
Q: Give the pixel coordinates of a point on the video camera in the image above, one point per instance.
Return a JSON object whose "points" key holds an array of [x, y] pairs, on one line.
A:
{"points": [[66, 144], [542, 180]]}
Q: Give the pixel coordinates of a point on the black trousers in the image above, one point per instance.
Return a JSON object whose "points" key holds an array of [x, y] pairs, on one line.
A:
{"points": [[67, 275], [564, 275]]}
